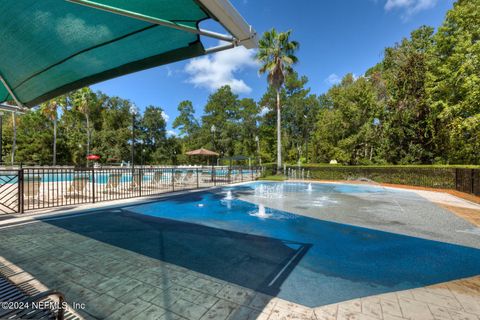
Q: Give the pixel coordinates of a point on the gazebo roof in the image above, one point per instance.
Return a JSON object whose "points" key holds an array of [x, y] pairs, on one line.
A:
{"points": [[202, 152], [50, 47]]}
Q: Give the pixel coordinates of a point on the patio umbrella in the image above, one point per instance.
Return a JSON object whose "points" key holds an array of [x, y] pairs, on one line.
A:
{"points": [[50, 47], [93, 157]]}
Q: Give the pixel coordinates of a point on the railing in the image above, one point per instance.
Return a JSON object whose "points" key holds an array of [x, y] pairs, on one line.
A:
{"points": [[461, 179], [33, 188]]}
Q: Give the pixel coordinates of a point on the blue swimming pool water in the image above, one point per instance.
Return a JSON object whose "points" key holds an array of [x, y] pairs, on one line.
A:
{"points": [[328, 262], [103, 177]]}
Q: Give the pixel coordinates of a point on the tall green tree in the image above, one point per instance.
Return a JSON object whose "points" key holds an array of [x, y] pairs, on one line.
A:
{"points": [[346, 127], [83, 100], [186, 121], [221, 113], [188, 125], [154, 134], [408, 130], [50, 110], [276, 52], [454, 84]]}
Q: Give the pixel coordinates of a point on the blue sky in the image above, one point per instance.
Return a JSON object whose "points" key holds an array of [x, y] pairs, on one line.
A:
{"points": [[336, 37]]}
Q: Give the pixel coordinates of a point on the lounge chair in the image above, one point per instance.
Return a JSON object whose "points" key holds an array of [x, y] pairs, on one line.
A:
{"points": [[190, 178], [113, 182], [179, 177], [78, 187], [23, 295], [136, 180], [157, 181], [32, 189]]}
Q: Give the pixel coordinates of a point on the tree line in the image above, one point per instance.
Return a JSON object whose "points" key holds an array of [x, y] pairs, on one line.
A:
{"points": [[419, 105]]}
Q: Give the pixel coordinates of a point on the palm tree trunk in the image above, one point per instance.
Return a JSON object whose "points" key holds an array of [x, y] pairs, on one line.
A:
{"points": [[88, 137], [55, 141], [279, 134]]}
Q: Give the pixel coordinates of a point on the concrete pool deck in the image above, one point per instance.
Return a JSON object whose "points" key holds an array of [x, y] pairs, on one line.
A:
{"points": [[183, 294], [121, 284]]}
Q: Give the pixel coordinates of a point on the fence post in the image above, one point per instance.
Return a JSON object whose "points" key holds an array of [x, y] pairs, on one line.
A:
{"points": [[93, 185], [198, 182], [214, 176], [140, 178], [173, 179], [472, 184], [456, 179], [20, 190], [241, 174]]}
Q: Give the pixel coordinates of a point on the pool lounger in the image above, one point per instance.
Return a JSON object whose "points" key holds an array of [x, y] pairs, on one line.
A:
{"points": [[18, 300]]}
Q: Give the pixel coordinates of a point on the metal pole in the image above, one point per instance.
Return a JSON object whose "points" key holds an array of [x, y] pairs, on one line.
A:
{"points": [[198, 180], [1, 137], [20, 191], [10, 91], [154, 20], [14, 144], [133, 144], [93, 184]]}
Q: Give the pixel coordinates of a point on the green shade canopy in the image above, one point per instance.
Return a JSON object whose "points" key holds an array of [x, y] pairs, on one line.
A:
{"points": [[50, 47]]}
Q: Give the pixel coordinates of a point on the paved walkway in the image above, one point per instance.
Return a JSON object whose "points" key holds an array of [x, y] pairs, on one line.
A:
{"points": [[453, 300], [195, 296]]}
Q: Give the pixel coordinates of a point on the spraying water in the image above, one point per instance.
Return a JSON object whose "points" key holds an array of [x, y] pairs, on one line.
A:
{"points": [[229, 195], [261, 213], [269, 191], [309, 188]]}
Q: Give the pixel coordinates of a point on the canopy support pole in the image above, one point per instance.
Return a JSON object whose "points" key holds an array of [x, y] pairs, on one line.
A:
{"points": [[10, 108], [219, 48], [10, 91], [153, 20]]}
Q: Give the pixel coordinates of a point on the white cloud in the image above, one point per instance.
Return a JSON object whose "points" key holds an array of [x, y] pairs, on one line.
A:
{"points": [[165, 116], [264, 111], [333, 79], [410, 7], [171, 133], [221, 68], [169, 71]]}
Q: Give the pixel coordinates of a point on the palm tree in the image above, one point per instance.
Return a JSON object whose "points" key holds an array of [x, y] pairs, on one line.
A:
{"points": [[82, 100], [49, 109], [277, 54]]}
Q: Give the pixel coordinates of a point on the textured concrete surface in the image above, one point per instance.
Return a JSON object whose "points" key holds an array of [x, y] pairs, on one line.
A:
{"points": [[115, 283]]}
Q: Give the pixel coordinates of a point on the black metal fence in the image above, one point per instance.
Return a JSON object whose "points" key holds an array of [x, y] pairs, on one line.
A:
{"points": [[461, 179], [27, 189]]}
